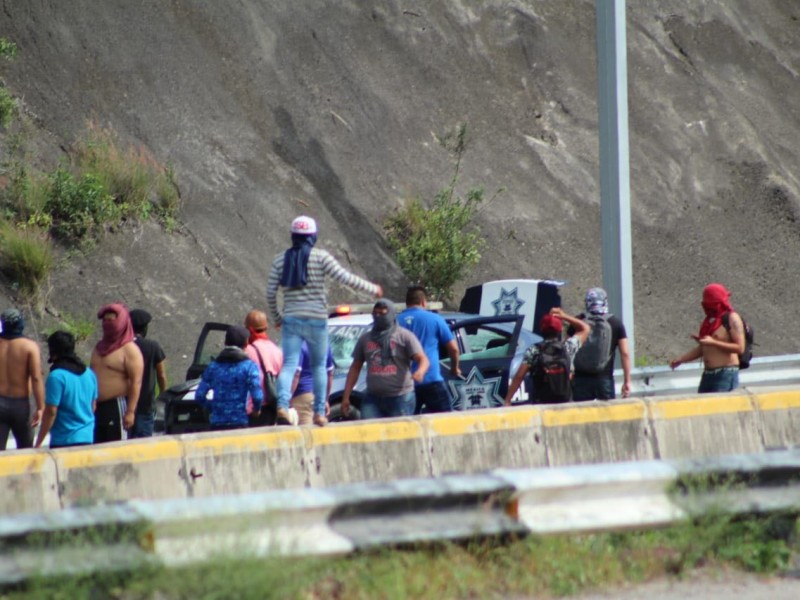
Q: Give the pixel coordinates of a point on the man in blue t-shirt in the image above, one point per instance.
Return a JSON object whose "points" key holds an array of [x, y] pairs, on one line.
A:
{"points": [[432, 332], [70, 395]]}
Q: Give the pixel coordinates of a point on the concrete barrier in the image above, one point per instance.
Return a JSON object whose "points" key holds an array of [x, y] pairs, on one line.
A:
{"points": [[475, 440], [253, 460], [597, 432], [381, 450], [120, 471], [29, 482], [244, 460], [713, 425], [779, 410]]}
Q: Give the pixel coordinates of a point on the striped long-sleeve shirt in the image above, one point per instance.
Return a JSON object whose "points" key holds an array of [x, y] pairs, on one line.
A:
{"points": [[311, 300]]}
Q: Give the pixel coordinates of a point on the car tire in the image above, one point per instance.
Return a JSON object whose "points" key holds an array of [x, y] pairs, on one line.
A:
{"points": [[337, 416]]}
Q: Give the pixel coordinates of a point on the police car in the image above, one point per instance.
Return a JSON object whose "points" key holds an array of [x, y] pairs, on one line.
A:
{"points": [[497, 322], [491, 347]]}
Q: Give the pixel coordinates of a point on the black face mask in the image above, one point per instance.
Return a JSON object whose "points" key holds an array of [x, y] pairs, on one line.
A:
{"points": [[382, 322]]}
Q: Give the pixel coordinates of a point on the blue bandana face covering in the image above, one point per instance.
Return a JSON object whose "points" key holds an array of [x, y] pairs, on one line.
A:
{"points": [[295, 260]]}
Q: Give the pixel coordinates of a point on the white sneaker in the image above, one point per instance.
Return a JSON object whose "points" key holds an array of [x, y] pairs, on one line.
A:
{"points": [[294, 418]]}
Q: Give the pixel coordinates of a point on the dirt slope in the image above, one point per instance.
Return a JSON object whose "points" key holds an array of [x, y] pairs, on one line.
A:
{"points": [[271, 109]]}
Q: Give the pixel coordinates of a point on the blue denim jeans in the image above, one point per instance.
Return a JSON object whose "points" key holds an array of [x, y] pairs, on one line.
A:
{"points": [[315, 333], [592, 387], [143, 425], [432, 398], [724, 379], [375, 407]]}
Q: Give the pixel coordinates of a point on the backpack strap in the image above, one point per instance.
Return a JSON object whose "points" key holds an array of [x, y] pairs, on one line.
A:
{"points": [[269, 378]]}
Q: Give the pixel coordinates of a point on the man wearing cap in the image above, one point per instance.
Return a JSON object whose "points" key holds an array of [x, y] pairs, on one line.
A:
{"points": [[117, 362], [593, 380], [154, 372], [20, 372], [301, 271], [71, 391], [388, 351], [232, 377], [551, 327], [269, 359]]}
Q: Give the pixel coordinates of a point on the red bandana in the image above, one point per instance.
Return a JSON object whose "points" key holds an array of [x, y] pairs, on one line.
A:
{"points": [[116, 333], [716, 303], [256, 335]]}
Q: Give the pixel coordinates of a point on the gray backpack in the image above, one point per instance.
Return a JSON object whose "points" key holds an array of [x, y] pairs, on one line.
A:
{"points": [[593, 357]]}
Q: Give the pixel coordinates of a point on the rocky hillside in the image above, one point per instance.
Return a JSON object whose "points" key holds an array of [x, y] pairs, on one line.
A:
{"points": [[272, 109]]}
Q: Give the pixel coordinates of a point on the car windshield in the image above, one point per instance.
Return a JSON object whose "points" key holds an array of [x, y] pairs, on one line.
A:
{"points": [[342, 340]]}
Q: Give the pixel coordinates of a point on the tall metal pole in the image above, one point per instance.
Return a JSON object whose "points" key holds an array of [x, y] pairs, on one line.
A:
{"points": [[615, 205]]}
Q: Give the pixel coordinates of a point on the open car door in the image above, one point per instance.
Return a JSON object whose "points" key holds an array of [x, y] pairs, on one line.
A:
{"points": [[209, 344], [487, 346]]}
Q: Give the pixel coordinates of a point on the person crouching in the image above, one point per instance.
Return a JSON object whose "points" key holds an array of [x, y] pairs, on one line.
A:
{"points": [[231, 376]]}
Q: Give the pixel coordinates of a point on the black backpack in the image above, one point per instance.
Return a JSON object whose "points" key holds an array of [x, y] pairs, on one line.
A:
{"points": [[550, 371], [749, 337]]}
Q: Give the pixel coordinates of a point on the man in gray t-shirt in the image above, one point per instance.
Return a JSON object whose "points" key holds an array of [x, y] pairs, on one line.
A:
{"points": [[388, 351]]}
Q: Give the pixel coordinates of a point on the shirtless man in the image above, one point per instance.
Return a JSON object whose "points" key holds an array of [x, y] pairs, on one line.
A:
{"points": [[118, 364], [20, 372], [719, 344]]}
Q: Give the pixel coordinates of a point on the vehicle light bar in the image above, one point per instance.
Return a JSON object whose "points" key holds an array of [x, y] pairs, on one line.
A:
{"points": [[340, 310]]}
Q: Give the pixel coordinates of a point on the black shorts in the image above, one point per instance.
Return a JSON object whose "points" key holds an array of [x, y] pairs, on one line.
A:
{"points": [[108, 420]]}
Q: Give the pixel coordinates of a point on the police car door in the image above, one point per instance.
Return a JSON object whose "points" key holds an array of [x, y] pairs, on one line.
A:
{"points": [[487, 346]]}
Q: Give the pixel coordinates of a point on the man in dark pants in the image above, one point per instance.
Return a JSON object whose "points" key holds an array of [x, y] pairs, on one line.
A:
{"points": [[154, 371], [432, 332], [594, 378], [20, 373]]}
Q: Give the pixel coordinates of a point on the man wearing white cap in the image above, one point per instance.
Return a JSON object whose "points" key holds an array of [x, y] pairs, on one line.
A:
{"points": [[301, 271]]}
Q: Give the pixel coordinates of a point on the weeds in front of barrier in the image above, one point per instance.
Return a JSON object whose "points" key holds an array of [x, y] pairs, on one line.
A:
{"points": [[553, 566]]}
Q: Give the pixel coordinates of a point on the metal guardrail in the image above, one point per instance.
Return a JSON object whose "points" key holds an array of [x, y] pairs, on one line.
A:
{"points": [[663, 381], [344, 519]]}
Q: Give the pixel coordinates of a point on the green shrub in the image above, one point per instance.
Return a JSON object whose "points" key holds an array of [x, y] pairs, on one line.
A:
{"points": [[8, 106], [437, 246], [26, 257], [26, 196], [132, 176], [81, 328], [8, 49], [79, 208]]}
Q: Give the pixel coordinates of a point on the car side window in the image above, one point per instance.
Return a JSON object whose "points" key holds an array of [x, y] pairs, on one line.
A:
{"points": [[484, 342], [342, 340], [215, 342]]}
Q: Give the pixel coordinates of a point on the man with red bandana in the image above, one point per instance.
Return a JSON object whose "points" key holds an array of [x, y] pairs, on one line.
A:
{"points": [[118, 364], [718, 345]]}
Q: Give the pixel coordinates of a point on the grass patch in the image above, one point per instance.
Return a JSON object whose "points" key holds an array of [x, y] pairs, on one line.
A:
{"points": [[106, 184], [542, 566], [8, 106], [139, 185], [79, 327], [26, 257]]}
